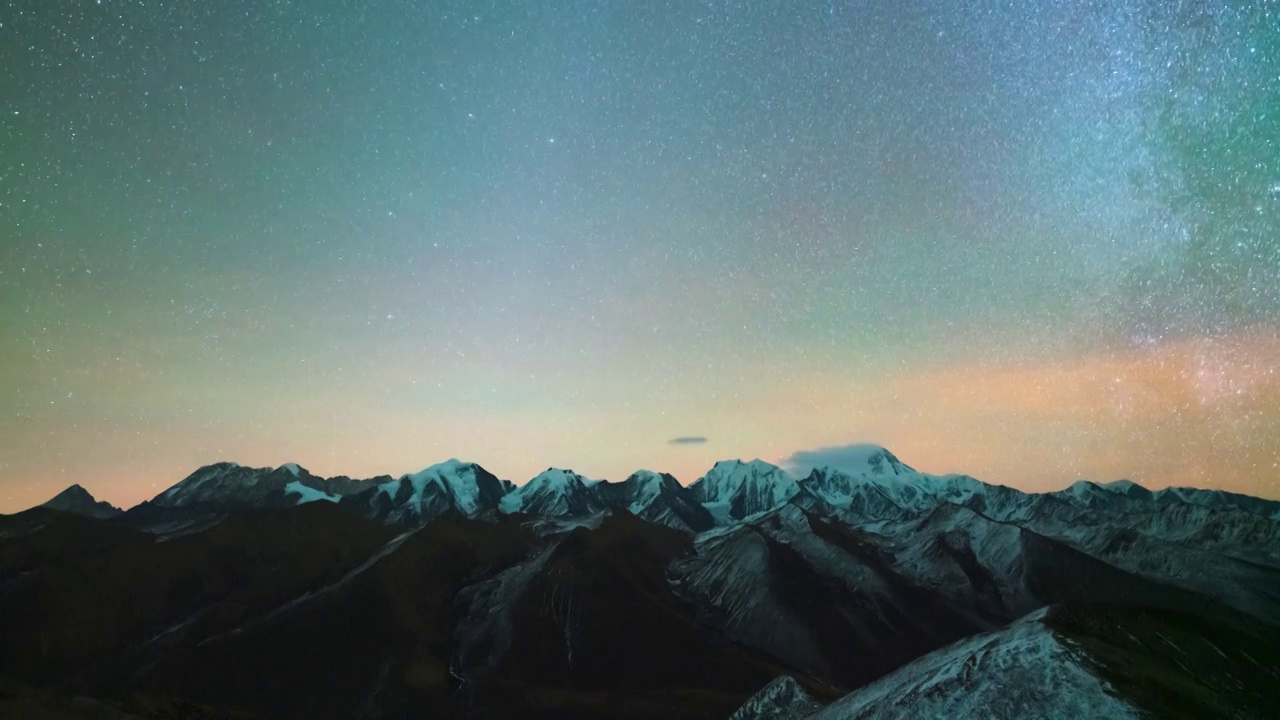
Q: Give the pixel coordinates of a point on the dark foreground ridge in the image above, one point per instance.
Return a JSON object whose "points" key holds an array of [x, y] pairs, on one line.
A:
{"points": [[861, 593]]}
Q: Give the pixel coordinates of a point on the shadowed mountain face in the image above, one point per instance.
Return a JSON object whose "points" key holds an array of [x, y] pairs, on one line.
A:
{"points": [[102, 598], [480, 617], [76, 499], [451, 593], [656, 497]]}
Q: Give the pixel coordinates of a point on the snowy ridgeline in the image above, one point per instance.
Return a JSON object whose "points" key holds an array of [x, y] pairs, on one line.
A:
{"points": [[874, 487]]}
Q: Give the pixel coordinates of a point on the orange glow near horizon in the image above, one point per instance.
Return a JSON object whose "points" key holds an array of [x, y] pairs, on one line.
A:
{"points": [[1200, 412]]}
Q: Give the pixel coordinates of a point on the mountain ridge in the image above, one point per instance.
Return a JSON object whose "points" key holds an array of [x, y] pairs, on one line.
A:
{"points": [[76, 499], [882, 467], [885, 490], [452, 590]]}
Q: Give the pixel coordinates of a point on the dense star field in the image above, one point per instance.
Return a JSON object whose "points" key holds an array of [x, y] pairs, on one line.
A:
{"points": [[1031, 242]]}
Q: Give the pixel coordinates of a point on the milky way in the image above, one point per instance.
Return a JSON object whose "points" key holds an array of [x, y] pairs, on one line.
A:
{"points": [[1027, 241]]}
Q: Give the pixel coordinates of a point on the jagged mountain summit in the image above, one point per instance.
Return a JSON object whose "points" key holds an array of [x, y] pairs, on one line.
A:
{"points": [[76, 499]]}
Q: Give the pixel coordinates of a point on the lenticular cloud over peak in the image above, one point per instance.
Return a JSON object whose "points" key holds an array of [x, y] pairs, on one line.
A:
{"points": [[845, 458]]}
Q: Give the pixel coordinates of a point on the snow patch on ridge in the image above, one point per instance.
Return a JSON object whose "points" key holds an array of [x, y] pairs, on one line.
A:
{"points": [[512, 502], [308, 494]]}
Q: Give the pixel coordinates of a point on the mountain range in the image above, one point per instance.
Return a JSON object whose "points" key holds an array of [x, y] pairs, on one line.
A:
{"points": [[872, 590]]}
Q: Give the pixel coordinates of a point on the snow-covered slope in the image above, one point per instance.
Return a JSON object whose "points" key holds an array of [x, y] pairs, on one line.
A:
{"points": [[733, 490], [645, 487], [308, 494], [553, 493], [1022, 671], [1068, 661], [782, 699]]}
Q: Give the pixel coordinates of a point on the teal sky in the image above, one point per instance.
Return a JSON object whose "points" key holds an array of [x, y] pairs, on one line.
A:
{"points": [[367, 237]]}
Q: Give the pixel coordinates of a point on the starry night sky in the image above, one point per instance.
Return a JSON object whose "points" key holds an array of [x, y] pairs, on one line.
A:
{"points": [[1027, 241]]}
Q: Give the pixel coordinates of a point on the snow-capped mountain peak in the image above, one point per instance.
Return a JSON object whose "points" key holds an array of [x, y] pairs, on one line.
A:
{"points": [[727, 476], [872, 482], [736, 489], [648, 476], [646, 485], [553, 492], [452, 486], [881, 478], [879, 461]]}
